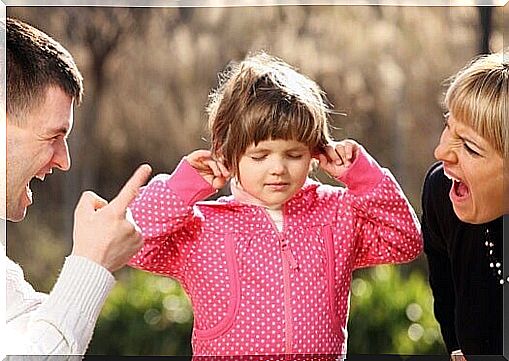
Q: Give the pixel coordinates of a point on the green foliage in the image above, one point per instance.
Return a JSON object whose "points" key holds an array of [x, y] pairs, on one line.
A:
{"points": [[144, 315], [391, 313]]}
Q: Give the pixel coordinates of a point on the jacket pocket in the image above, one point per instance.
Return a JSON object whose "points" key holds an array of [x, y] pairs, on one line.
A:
{"points": [[331, 271], [234, 300]]}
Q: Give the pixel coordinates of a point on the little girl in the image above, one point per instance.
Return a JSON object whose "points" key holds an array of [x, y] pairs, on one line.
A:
{"points": [[268, 269]]}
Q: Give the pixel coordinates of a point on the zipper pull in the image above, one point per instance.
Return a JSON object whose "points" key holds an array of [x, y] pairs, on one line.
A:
{"points": [[285, 248]]}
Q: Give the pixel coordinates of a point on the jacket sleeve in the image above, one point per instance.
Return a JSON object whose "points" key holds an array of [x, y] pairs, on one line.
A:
{"points": [[60, 323], [169, 223], [435, 248], [385, 226]]}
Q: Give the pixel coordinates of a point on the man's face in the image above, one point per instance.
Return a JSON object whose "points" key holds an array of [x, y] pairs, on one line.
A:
{"points": [[36, 147]]}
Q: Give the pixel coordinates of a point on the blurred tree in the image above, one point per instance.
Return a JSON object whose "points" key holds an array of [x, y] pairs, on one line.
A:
{"points": [[485, 20], [148, 72]]}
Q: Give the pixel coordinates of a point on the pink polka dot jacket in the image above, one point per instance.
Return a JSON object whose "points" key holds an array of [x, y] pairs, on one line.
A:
{"points": [[258, 291]]}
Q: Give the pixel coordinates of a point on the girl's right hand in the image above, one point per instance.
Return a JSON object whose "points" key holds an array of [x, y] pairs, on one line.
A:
{"points": [[212, 170]]}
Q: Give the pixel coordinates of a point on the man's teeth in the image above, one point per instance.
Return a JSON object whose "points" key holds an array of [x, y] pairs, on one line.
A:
{"points": [[40, 177]]}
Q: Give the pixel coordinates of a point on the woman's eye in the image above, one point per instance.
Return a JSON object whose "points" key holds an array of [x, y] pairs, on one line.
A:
{"points": [[295, 156], [470, 150], [257, 157]]}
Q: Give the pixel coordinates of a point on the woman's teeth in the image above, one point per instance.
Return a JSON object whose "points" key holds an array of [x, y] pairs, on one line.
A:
{"points": [[451, 177]]}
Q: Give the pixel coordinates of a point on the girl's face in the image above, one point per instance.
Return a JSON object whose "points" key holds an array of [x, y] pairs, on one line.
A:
{"points": [[273, 171], [477, 171]]}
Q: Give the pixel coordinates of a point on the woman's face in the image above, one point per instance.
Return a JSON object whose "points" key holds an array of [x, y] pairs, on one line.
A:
{"points": [[477, 171]]}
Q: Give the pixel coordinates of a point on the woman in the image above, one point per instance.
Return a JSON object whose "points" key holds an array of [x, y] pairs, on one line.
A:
{"points": [[463, 207]]}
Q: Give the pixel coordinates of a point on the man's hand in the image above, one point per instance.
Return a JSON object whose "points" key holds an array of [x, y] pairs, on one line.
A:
{"points": [[105, 233], [338, 156], [212, 170]]}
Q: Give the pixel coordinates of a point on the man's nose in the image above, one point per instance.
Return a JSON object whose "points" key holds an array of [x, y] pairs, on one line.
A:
{"points": [[61, 158]]}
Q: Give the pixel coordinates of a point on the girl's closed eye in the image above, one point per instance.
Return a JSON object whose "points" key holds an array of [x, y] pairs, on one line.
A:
{"points": [[258, 157]]}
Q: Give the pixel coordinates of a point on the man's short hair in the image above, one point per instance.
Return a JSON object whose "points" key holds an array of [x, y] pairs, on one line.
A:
{"points": [[35, 61]]}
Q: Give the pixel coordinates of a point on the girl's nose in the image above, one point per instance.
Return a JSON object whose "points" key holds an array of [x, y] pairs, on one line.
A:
{"points": [[277, 168]]}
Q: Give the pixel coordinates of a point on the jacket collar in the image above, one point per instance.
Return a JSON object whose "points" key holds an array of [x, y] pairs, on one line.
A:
{"points": [[241, 198]]}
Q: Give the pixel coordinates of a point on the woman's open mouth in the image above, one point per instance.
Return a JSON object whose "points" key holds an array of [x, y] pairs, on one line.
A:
{"points": [[459, 189]]}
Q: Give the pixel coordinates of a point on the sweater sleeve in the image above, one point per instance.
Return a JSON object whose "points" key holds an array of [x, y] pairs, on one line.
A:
{"points": [[435, 248], [169, 223], [386, 228], [62, 322]]}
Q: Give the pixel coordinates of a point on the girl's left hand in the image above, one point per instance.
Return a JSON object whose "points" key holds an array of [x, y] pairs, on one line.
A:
{"points": [[338, 156]]}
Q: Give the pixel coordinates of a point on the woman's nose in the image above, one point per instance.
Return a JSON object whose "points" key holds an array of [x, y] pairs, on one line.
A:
{"points": [[444, 152]]}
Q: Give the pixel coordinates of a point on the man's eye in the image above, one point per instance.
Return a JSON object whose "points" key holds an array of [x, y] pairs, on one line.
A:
{"points": [[295, 156], [258, 157]]}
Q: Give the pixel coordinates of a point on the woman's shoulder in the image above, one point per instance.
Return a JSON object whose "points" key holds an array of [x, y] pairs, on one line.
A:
{"points": [[435, 176], [437, 210]]}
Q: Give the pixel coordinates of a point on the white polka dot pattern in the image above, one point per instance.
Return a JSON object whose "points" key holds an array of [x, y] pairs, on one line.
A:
{"points": [[257, 291]]}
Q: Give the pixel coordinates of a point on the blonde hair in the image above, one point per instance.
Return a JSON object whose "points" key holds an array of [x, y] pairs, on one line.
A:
{"points": [[264, 98], [478, 96]]}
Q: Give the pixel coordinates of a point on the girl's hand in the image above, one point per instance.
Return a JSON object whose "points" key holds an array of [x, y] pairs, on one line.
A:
{"points": [[213, 171], [338, 156]]}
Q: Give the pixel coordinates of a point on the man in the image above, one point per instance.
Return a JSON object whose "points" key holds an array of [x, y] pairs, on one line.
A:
{"points": [[42, 84]]}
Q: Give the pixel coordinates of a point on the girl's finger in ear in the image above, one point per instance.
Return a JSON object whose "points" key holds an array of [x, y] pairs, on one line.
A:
{"points": [[349, 150], [341, 153], [213, 167], [331, 154], [224, 171]]}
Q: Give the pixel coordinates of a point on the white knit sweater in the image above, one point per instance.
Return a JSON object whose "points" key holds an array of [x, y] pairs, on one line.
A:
{"points": [[62, 322]]}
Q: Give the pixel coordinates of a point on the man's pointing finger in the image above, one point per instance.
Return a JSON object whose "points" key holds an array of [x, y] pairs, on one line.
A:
{"points": [[130, 190]]}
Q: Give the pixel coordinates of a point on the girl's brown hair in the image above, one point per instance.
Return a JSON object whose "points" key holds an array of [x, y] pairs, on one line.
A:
{"points": [[264, 98]]}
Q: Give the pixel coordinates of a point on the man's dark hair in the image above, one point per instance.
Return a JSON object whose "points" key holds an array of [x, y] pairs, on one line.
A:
{"points": [[35, 61]]}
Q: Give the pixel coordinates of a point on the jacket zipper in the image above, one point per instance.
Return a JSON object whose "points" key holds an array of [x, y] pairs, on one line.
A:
{"points": [[289, 264]]}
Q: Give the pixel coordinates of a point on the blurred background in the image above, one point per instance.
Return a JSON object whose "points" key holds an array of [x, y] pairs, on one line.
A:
{"points": [[148, 73]]}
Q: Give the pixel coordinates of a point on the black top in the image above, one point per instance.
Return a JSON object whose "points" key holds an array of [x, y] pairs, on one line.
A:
{"points": [[468, 296]]}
